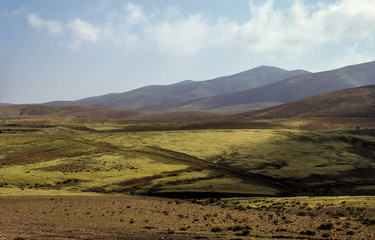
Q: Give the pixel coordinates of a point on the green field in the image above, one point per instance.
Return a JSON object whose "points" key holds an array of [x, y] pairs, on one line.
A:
{"points": [[67, 178], [105, 156]]}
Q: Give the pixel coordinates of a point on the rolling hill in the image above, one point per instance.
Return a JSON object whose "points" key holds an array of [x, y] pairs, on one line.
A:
{"points": [[353, 102], [43, 111], [13, 111], [158, 97], [290, 89]]}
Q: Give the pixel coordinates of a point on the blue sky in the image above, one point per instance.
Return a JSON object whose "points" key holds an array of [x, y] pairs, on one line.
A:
{"points": [[67, 50]]}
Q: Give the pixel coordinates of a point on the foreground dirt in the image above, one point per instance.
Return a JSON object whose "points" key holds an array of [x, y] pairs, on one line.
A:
{"points": [[132, 217]]}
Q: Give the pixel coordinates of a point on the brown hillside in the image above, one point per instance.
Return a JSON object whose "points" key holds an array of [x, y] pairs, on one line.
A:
{"points": [[353, 102], [12, 111]]}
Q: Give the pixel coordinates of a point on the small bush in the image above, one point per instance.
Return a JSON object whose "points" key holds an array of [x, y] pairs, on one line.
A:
{"points": [[308, 232], [216, 229], [243, 233], [326, 226], [326, 235], [350, 233]]}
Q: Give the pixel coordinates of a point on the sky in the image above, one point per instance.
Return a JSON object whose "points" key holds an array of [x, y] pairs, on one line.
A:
{"points": [[67, 50]]}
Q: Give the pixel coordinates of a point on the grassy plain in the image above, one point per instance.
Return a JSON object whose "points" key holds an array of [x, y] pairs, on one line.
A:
{"points": [[244, 169], [105, 156]]}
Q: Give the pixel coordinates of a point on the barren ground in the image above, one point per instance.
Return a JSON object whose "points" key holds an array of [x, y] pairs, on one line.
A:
{"points": [[134, 217]]}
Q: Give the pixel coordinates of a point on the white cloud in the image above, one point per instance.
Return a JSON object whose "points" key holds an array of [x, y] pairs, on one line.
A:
{"points": [[135, 14], [352, 56], [53, 27], [183, 37], [299, 30], [82, 31], [291, 32]]}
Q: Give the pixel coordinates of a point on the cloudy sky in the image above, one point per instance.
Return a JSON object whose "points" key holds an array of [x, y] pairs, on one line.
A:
{"points": [[71, 49]]}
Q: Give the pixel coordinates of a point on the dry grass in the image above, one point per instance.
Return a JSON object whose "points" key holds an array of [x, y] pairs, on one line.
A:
{"points": [[125, 217]]}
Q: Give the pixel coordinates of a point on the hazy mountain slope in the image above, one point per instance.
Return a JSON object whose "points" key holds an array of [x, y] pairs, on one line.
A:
{"points": [[154, 98], [293, 88], [353, 102], [67, 111], [43, 111]]}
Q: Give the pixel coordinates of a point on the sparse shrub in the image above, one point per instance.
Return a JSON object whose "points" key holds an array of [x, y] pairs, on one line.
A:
{"points": [[301, 214], [308, 232], [243, 233], [19, 238], [326, 235], [368, 222], [216, 229], [350, 233], [131, 221], [326, 226], [165, 213], [281, 230], [235, 228]]}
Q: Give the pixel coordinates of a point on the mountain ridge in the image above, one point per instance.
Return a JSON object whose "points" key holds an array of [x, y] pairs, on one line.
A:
{"points": [[155, 97], [292, 88]]}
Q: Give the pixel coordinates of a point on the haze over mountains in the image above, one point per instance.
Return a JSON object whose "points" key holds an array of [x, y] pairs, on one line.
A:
{"points": [[306, 94], [293, 88], [159, 98], [249, 90]]}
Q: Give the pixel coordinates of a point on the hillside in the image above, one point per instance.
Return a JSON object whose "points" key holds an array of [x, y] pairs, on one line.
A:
{"points": [[353, 102], [293, 88], [156, 98], [13, 111]]}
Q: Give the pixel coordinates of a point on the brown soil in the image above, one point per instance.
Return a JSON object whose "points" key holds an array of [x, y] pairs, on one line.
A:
{"points": [[130, 217]]}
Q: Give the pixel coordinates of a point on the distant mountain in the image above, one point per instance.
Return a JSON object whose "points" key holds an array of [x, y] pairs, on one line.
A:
{"points": [[158, 97], [4, 104], [353, 102], [291, 89]]}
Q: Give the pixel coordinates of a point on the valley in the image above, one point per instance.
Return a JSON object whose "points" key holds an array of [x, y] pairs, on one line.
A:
{"points": [[217, 179], [196, 160]]}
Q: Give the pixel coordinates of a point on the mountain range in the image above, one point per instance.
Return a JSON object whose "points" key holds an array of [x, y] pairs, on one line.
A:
{"points": [[292, 88], [281, 93], [353, 102], [158, 98], [254, 89]]}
